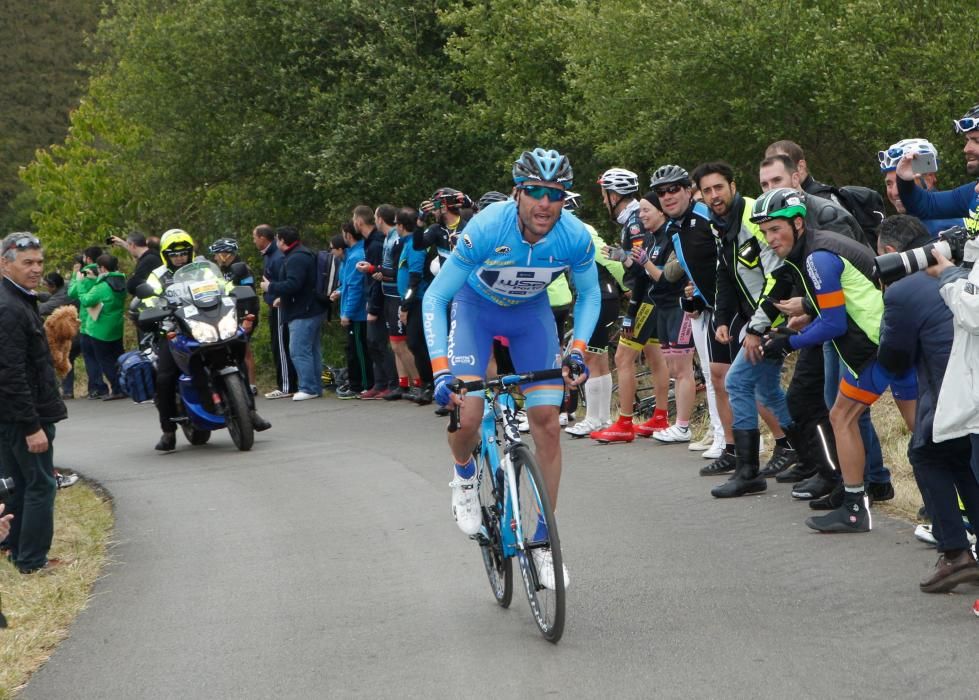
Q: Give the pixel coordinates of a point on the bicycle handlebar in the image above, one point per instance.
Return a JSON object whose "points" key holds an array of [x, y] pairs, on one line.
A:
{"points": [[507, 380]]}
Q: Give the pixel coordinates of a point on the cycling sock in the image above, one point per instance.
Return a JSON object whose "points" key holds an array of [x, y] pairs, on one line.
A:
{"points": [[403, 382], [605, 398], [783, 442], [467, 470], [417, 383], [683, 423], [729, 448], [592, 398], [625, 418], [853, 497]]}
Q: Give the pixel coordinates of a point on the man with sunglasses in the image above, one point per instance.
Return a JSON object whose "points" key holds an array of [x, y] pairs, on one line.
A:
{"points": [[30, 405], [963, 201], [496, 279], [888, 164]]}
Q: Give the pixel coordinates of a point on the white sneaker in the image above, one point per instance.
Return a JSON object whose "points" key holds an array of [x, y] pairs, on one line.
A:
{"points": [[465, 505], [303, 396], [673, 434], [278, 394], [704, 443], [544, 564], [714, 451], [923, 534], [562, 419], [523, 423], [583, 428]]}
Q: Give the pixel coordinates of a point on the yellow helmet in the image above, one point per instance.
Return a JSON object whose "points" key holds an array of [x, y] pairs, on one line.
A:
{"points": [[176, 242]]}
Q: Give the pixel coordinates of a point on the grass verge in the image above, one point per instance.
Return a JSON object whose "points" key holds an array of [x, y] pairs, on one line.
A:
{"points": [[41, 607]]}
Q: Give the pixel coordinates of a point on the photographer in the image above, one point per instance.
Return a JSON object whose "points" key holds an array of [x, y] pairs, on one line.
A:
{"points": [[916, 332], [84, 275]]}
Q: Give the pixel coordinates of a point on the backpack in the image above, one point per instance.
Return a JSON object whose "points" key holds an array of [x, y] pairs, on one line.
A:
{"points": [[327, 276], [867, 207], [137, 376]]}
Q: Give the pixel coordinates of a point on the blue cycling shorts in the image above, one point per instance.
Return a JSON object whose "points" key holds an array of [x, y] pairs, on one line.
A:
{"points": [[873, 382], [529, 329]]}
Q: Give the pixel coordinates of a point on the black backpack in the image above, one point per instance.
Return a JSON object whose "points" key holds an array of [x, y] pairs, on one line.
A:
{"points": [[867, 207], [327, 277]]}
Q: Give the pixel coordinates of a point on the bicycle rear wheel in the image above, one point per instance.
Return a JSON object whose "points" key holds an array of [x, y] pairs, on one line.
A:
{"points": [[546, 604], [499, 569]]}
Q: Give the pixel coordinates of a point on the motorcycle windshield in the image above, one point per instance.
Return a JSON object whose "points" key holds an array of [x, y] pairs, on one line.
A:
{"points": [[200, 283]]}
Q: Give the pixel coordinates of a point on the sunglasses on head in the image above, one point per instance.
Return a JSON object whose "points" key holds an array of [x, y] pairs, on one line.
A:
{"points": [[891, 154], [965, 124], [553, 194], [668, 189], [23, 242]]}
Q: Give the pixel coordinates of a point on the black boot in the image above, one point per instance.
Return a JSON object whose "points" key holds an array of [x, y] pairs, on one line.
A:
{"points": [[258, 422], [167, 443], [784, 457], [745, 479], [852, 516]]}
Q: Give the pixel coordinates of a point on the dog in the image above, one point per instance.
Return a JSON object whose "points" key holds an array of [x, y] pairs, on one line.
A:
{"points": [[61, 327]]}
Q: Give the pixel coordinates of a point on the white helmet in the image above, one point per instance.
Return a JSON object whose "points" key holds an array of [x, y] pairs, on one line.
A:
{"points": [[889, 159], [619, 180]]}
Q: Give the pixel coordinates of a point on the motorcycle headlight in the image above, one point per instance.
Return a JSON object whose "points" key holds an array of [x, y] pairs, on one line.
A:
{"points": [[228, 325], [202, 332]]}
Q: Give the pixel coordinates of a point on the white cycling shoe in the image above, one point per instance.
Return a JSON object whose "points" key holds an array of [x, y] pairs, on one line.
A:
{"points": [[465, 505], [584, 427], [544, 564]]}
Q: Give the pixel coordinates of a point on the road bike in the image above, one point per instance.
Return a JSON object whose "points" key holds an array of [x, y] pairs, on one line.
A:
{"points": [[518, 521]]}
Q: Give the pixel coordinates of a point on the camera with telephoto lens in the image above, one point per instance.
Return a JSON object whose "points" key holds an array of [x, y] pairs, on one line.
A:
{"points": [[6, 488], [950, 243]]}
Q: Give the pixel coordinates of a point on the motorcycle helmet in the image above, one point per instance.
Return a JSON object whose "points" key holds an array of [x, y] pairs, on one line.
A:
{"points": [[175, 243]]}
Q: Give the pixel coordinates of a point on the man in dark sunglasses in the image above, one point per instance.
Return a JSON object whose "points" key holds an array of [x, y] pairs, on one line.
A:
{"points": [[963, 201], [30, 405]]}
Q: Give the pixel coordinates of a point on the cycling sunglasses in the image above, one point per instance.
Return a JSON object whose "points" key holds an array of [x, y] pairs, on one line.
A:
{"points": [[965, 124], [667, 189], [890, 156], [22, 242], [553, 194]]}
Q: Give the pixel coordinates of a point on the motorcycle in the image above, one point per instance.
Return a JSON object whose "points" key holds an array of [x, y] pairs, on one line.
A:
{"points": [[200, 321]]}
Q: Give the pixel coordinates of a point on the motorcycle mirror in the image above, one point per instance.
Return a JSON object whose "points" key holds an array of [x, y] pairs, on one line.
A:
{"points": [[144, 290], [239, 271]]}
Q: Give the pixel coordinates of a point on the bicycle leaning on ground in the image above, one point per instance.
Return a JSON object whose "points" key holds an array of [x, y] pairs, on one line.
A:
{"points": [[518, 521]]}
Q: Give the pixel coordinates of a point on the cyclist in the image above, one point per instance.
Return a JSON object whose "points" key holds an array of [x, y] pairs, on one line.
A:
{"points": [[496, 278], [963, 201], [929, 181], [619, 187], [225, 252], [745, 264], [176, 250], [696, 250], [837, 276], [598, 388]]}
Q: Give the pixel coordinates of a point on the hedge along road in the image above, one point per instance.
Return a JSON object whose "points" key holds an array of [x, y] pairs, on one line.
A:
{"points": [[325, 563]]}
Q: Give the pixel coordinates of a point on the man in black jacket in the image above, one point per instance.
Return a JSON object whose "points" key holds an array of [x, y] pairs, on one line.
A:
{"points": [[30, 405], [146, 260], [301, 310]]}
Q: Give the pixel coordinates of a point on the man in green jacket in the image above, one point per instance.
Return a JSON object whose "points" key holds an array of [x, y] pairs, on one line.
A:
{"points": [[103, 305], [83, 276]]}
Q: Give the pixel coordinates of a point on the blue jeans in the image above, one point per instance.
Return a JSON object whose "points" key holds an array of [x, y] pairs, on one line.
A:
{"points": [[874, 470], [304, 349], [749, 385]]}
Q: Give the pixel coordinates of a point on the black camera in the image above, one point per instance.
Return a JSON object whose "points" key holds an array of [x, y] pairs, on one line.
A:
{"points": [[79, 260], [110, 239], [950, 243], [6, 488]]}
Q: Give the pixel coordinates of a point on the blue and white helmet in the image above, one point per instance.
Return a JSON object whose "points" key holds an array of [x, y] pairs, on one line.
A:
{"points": [[544, 166], [889, 159]]}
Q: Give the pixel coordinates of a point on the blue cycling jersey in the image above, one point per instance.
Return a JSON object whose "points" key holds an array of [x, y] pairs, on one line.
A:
{"points": [[495, 261]]}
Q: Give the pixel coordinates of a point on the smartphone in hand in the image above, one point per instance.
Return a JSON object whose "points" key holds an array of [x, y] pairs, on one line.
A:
{"points": [[924, 163]]}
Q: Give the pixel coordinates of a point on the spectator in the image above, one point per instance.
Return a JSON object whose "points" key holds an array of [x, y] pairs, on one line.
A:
{"points": [[888, 164], [412, 284], [296, 291], [385, 373], [58, 297], [404, 363], [30, 405], [353, 311], [104, 304], [84, 275], [917, 333], [263, 236], [146, 260]]}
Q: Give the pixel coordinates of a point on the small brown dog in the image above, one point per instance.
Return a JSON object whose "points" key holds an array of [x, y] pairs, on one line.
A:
{"points": [[61, 327]]}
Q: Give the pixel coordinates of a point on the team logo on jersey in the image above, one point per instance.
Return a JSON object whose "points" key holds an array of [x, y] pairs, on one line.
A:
{"points": [[634, 229], [817, 281], [465, 239], [503, 249]]}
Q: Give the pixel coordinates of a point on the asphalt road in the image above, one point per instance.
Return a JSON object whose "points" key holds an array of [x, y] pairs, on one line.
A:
{"points": [[325, 563]]}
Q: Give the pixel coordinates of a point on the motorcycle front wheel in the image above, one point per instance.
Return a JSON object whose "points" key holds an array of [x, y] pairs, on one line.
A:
{"points": [[237, 412]]}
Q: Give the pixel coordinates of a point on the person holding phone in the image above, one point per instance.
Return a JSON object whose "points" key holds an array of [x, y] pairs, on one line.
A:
{"points": [[925, 168], [963, 201]]}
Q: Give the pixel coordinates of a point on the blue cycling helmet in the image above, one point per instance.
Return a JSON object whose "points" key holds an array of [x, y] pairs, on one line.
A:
{"points": [[889, 159], [544, 166], [490, 198]]}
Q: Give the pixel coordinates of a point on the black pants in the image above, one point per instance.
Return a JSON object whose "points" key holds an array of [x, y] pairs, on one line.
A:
{"points": [[942, 470], [32, 502], [807, 407], [107, 354], [285, 372], [96, 386], [360, 373], [379, 350], [417, 345]]}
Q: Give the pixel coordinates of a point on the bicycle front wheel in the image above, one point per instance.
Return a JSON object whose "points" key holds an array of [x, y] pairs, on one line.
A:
{"points": [[499, 569], [539, 552]]}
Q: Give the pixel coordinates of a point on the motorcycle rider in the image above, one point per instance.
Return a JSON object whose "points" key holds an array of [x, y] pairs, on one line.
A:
{"points": [[176, 250]]}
